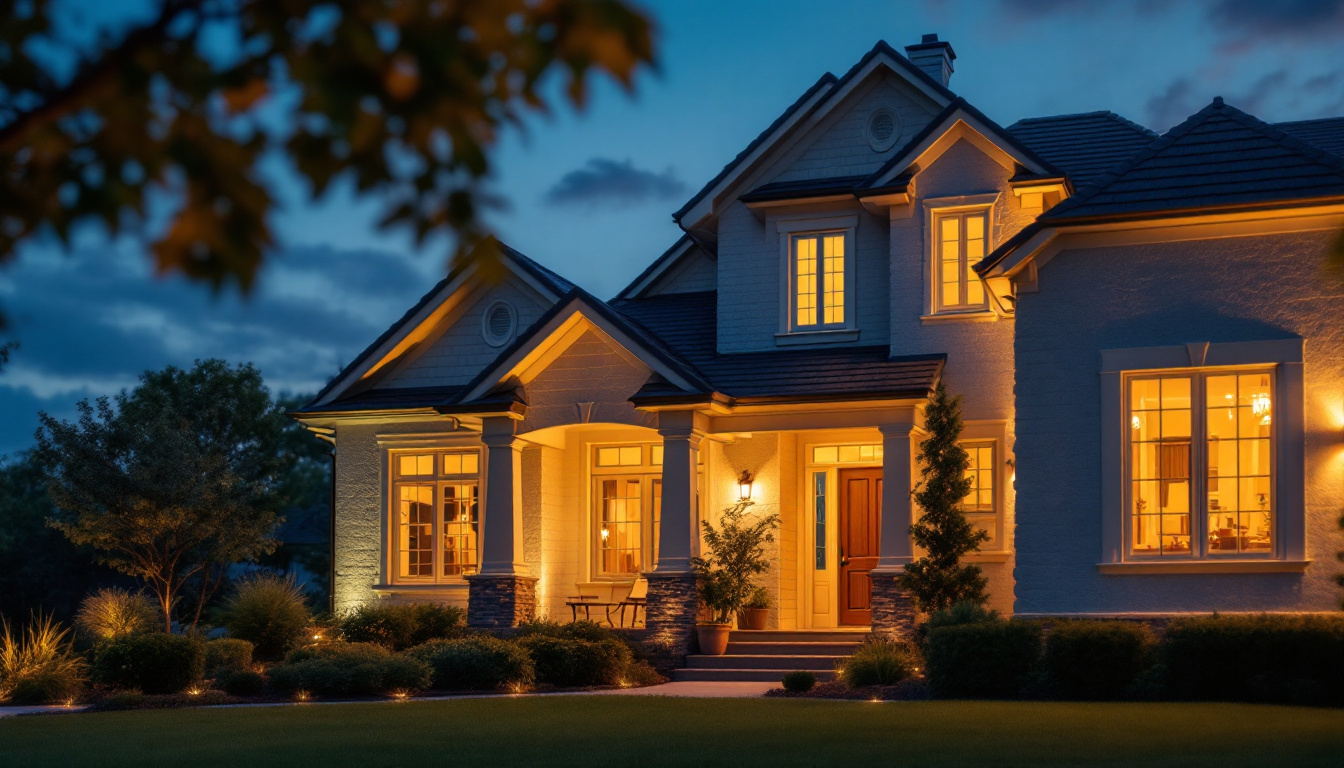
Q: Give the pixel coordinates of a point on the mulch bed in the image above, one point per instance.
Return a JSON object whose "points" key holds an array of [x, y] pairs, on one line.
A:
{"points": [[913, 689]]}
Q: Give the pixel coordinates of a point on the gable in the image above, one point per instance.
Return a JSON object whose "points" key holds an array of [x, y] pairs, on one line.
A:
{"points": [[591, 381], [694, 273], [454, 352]]}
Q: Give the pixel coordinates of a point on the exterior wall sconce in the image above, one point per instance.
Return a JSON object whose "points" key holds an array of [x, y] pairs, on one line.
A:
{"points": [[744, 482]]}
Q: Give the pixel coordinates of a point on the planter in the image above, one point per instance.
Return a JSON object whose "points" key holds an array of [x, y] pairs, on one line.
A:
{"points": [[753, 618], [713, 638]]}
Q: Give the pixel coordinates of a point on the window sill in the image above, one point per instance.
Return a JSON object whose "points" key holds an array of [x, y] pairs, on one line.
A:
{"points": [[391, 589], [799, 338], [977, 316], [1205, 566]]}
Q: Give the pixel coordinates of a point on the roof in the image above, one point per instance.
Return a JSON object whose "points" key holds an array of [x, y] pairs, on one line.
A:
{"points": [[786, 190], [1082, 145], [1220, 156], [385, 400], [684, 247], [553, 282], [1325, 134]]}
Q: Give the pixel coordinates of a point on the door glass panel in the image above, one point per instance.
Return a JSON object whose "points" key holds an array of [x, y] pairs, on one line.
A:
{"points": [[819, 510]]}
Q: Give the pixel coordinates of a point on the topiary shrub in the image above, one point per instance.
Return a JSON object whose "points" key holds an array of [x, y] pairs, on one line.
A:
{"points": [[879, 662], [476, 663], [227, 653], [153, 664], [988, 659], [1290, 659], [112, 613], [38, 665], [799, 681], [340, 669], [268, 611], [240, 682], [401, 625], [1096, 659], [571, 663]]}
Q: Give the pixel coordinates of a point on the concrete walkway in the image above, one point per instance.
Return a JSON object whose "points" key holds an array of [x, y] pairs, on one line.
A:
{"points": [[42, 710], [696, 689]]}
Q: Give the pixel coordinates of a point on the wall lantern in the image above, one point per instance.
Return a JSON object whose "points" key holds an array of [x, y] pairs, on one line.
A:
{"points": [[744, 486]]}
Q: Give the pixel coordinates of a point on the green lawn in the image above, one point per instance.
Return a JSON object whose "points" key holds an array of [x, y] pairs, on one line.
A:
{"points": [[646, 731]]}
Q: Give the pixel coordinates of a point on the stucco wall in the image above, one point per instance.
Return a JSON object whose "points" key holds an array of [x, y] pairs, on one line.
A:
{"points": [[1227, 290]]}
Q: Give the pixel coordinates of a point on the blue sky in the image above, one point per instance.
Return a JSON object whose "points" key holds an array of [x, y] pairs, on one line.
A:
{"points": [[591, 194]]}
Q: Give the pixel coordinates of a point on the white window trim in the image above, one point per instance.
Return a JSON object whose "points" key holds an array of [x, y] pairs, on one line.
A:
{"points": [[934, 208], [993, 431], [1285, 355], [787, 227]]}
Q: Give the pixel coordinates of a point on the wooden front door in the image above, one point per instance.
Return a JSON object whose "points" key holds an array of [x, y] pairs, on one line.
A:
{"points": [[860, 533]]}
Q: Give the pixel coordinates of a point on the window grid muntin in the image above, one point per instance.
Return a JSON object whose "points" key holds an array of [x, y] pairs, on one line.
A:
{"points": [[620, 531], [433, 472], [1161, 464], [649, 470], [819, 283], [962, 239], [980, 472], [1199, 515], [460, 547]]}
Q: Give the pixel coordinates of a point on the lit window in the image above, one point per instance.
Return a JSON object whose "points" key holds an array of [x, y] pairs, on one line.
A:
{"points": [[436, 547], [620, 456], [980, 472], [847, 454], [818, 280], [1206, 497], [620, 532], [627, 500], [961, 241]]}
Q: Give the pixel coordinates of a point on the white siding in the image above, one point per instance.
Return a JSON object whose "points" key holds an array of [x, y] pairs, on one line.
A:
{"points": [[696, 272], [590, 371]]}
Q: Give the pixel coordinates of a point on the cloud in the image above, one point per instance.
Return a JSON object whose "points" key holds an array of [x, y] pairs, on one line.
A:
{"points": [[1284, 19], [1172, 106], [605, 182], [1275, 96]]}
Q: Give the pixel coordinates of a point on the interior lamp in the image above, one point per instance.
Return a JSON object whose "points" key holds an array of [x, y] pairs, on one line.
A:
{"points": [[744, 486]]}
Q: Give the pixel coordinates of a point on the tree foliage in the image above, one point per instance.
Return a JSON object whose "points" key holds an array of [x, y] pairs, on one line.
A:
{"points": [[177, 482], [735, 556], [939, 579], [176, 111]]}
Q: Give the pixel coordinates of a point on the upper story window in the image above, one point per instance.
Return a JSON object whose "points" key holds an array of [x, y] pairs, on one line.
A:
{"points": [[819, 280], [960, 241], [435, 510]]}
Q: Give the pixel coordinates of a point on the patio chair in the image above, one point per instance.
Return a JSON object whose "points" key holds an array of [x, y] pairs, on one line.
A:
{"points": [[639, 596]]}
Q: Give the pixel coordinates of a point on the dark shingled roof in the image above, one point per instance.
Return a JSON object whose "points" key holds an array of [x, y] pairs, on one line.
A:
{"points": [[386, 400], [1219, 157], [1083, 145], [687, 323], [1325, 134]]}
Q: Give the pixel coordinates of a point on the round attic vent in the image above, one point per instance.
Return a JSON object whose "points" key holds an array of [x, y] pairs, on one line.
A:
{"points": [[882, 129], [498, 323]]}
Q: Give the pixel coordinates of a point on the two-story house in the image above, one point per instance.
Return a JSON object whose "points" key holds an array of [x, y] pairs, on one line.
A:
{"points": [[1148, 347]]}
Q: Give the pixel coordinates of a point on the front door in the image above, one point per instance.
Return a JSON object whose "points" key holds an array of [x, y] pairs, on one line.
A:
{"points": [[860, 532]]}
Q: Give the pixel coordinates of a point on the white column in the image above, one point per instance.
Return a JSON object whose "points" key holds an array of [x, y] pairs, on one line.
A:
{"points": [[681, 451], [897, 506], [502, 516]]}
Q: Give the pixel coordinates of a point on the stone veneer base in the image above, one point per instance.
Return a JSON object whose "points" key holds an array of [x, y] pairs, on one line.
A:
{"points": [[670, 618], [894, 613], [500, 601]]}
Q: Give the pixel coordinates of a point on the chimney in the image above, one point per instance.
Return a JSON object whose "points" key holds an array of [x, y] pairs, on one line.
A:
{"points": [[932, 56]]}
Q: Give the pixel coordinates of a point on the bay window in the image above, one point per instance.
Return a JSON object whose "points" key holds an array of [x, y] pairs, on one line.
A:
{"points": [[435, 507]]}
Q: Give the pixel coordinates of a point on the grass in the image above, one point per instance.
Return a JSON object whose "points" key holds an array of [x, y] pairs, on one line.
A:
{"points": [[649, 731]]}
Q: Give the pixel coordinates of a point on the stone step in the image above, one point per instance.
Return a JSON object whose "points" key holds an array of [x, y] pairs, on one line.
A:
{"points": [[797, 636], [741, 675], [814, 663], [792, 649]]}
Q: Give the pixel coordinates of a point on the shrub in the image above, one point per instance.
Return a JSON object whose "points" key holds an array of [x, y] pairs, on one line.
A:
{"points": [[401, 626], [879, 662], [570, 663], [151, 663], [1292, 659], [227, 653], [1096, 659], [478, 663], [336, 669], [240, 682], [963, 612], [641, 673], [987, 659], [799, 681], [112, 613], [269, 611], [39, 665]]}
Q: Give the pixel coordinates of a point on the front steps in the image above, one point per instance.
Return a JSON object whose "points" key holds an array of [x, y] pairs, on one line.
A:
{"points": [[765, 656]]}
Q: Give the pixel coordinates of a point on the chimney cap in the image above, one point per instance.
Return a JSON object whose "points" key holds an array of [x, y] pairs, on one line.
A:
{"points": [[929, 42]]}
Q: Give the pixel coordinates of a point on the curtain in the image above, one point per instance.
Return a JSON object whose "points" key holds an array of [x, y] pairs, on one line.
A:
{"points": [[1173, 461]]}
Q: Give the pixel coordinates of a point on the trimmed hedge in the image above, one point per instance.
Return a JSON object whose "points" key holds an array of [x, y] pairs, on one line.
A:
{"points": [[338, 669], [401, 626], [240, 682], [570, 663], [227, 653], [985, 659], [152, 664], [1289, 659], [476, 663], [1096, 659]]}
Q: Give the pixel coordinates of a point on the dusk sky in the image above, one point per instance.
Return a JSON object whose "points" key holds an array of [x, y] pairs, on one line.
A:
{"points": [[590, 195]]}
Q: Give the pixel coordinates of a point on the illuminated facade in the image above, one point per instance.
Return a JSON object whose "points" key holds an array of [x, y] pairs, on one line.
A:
{"points": [[1149, 354]]}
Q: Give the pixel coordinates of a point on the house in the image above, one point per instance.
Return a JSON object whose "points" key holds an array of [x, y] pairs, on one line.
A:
{"points": [[1149, 350]]}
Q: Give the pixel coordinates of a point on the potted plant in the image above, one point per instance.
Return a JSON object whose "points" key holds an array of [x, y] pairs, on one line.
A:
{"points": [[734, 556], [756, 611]]}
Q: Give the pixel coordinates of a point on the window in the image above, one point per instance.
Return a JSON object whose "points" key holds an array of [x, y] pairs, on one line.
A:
{"points": [[436, 515], [847, 454], [981, 474], [627, 508], [819, 510], [960, 240], [1200, 464], [818, 280]]}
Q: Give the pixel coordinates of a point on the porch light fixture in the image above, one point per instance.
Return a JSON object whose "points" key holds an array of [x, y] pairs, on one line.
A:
{"points": [[744, 481]]}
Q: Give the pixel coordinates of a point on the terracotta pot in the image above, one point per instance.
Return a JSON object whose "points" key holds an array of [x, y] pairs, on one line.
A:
{"points": [[753, 618], [713, 638]]}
